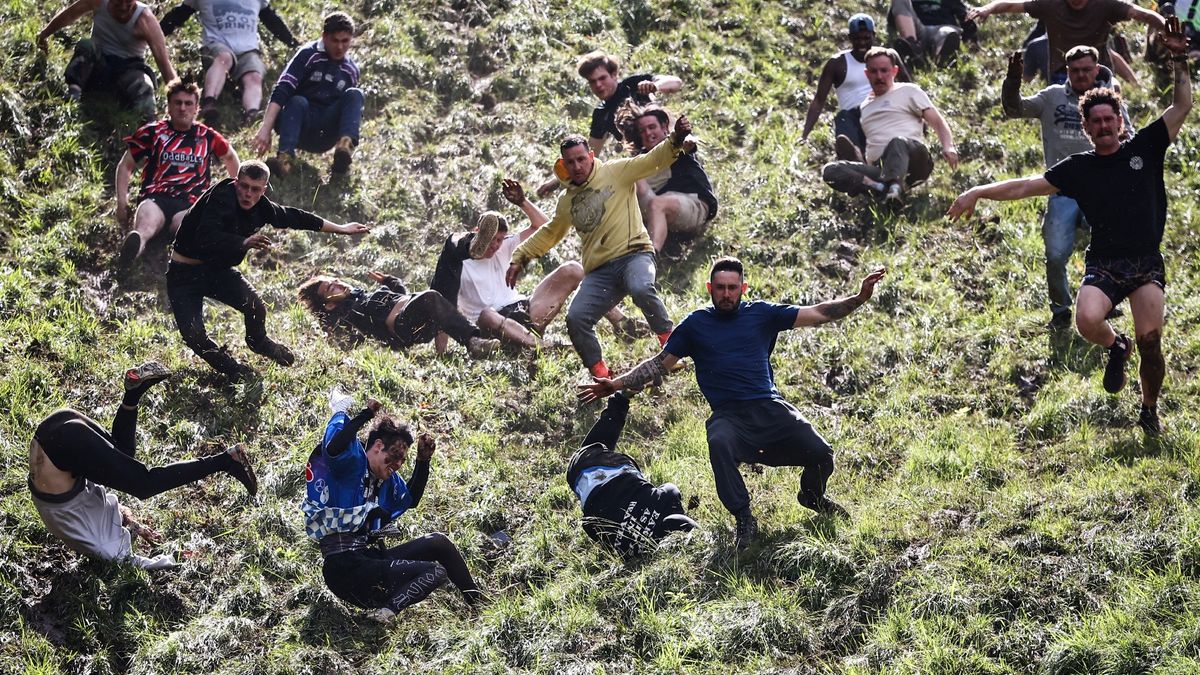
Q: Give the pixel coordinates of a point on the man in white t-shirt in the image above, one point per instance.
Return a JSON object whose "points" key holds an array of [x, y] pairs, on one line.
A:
{"points": [[470, 272], [893, 119]]}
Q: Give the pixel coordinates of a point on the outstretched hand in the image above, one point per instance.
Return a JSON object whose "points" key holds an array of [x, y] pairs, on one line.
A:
{"points": [[425, 447], [261, 143], [977, 14], [376, 276], [963, 206], [352, 228], [515, 270], [600, 388], [1016, 63], [374, 406], [867, 288], [259, 241], [646, 88], [513, 192], [1173, 37]]}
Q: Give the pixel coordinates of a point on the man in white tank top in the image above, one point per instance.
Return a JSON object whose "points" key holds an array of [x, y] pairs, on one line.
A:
{"points": [[846, 73], [114, 57]]}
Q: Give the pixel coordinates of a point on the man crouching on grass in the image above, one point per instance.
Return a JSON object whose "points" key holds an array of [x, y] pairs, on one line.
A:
{"points": [[731, 344]]}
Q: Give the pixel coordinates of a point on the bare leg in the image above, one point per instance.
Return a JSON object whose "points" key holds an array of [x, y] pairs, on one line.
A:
{"points": [[148, 221], [905, 27], [509, 330], [214, 78], [1146, 304], [551, 294], [252, 91], [440, 342], [1091, 308], [662, 211]]}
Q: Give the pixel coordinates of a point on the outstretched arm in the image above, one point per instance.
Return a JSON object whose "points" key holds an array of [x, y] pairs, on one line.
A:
{"points": [[158, 45], [1181, 102], [515, 194], [1148, 17], [65, 17], [998, 7], [832, 310], [651, 370], [663, 84], [1005, 190], [934, 119]]}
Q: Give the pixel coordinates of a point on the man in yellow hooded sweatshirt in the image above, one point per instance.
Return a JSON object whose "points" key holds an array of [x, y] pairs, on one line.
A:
{"points": [[618, 256]]}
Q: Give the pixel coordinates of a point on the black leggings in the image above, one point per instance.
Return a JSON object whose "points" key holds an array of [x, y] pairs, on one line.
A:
{"points": [[401, 576], [75, 443], [426, 314]]}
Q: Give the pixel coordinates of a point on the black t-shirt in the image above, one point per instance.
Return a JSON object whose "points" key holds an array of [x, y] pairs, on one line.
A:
{"points": [[1122, 195], [604, 116], [688, 176], [939, 12]]}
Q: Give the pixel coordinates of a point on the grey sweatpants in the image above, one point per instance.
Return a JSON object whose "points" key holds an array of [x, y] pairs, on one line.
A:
{"points": [[602, 289], [903, 159]]}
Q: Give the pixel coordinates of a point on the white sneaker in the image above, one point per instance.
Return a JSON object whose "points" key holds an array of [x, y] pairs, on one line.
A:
{"points": [[382, 615], [340, 402]]}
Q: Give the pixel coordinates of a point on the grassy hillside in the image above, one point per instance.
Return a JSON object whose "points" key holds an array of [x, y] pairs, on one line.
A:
{"points": [[1007, 517]]}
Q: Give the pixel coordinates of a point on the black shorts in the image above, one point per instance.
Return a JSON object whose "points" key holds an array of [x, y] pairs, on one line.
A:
{"points": [[518, 311], [1118, 277], [169, 205]]}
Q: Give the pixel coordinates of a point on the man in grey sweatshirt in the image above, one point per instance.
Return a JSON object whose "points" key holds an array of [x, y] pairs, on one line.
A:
{"points": [[1057, 107]]}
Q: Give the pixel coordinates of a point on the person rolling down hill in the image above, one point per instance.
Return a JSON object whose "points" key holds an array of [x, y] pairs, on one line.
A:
{"points": [[621, 509], [353, 493], [74, 463]]}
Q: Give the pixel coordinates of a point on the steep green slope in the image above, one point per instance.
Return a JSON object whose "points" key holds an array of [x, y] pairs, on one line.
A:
{"points": [[1006, 515]]}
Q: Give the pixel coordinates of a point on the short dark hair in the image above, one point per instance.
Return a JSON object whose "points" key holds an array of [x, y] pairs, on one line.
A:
{"points": [[726, 264], [627, 116], [338, 22], [308, 294], [254, 170], [597, 59], [1099, 96], [390, 432], [570, 142], [1080, 51], [187, 85], [878, 50]]}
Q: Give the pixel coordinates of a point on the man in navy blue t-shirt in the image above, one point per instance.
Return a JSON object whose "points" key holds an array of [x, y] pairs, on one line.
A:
{"points": [[1119, 187], [731, 344]]}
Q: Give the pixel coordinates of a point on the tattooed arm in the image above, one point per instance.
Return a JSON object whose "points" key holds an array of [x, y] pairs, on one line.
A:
{"points": [[647, 372], [832, 310], [1181, 102]]}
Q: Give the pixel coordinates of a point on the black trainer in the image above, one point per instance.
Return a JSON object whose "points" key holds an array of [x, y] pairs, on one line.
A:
{"points": [[130, 248], [821, 504], [745, 531], [242, 469], [1059, 321], [146, 375], [1114, 372], [1148, 421]]}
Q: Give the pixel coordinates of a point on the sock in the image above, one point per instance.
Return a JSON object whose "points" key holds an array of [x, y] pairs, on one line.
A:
{"points": [[1118, 344], [208, 101], [600, 369], [663, 337], [875, 185]]}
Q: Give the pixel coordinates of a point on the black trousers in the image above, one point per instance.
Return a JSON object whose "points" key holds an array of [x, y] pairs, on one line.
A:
{"points": [[74, 442], [400, 576], [763, 431], [428, 313], [188, 285]]}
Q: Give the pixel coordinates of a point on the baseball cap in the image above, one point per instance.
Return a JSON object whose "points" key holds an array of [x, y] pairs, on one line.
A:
{"points": [[861, 22]]}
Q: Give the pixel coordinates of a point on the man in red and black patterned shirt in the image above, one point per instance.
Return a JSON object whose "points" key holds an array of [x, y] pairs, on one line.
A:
{"points": [[176, 154]]}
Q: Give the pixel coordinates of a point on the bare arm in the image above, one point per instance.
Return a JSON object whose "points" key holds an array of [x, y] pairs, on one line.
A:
{"points": [[934, 119], [515, 194], [667, 84], [121, 186], [651, 370], [1148, 17], [231, 162], [998, 7], [65, 17], [1181, 101], [832, 310], [1005, 190], [818, 102], [153, 35]]}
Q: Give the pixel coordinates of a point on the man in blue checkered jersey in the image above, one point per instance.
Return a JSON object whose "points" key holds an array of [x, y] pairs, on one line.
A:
{"points": [[354, 492]]}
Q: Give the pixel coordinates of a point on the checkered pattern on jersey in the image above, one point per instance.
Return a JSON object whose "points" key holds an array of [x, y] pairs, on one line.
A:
{"points": [[177, 162]]}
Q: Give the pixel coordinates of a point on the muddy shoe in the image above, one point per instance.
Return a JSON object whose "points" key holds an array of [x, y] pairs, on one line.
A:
{"points": [[131, 248], [1148, 421], [846, 150], [382, 615], [242, 470], [274, 351], [146, 375], [209, 112], [821, 504], [281, 164], [343, 154], [745, 531], [1114, 372], [481, 348]]}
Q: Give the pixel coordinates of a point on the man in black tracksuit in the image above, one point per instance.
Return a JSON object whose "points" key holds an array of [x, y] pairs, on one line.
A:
{"points": [[217, 232], [621, 509]]}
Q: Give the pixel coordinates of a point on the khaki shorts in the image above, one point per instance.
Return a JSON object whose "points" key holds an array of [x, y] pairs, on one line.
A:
{"points": [[692, 216], [246, 62]]}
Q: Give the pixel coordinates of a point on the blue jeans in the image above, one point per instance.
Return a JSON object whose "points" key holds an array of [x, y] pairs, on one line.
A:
{"points": [[317, 128], [602, 288], [1058, 231], [847, 123]]}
